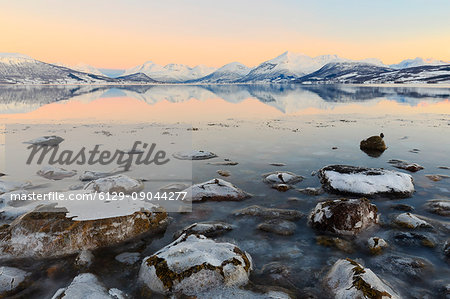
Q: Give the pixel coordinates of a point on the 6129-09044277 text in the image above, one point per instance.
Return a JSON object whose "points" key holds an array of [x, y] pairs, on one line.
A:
{"points": [[106, 196]]}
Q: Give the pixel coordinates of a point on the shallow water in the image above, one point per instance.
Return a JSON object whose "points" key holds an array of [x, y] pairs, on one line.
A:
{"points": [[254, 126]]}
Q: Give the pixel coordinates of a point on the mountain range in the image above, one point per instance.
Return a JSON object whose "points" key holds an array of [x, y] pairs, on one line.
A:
{"points": [[286, 68]]}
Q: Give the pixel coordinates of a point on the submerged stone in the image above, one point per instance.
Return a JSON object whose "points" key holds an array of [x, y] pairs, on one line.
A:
{"points": [[335, 242], [270, 213], [193, 264], [349, 279], [437, 177], [311, 191], [217, 190], [344, 216], [55, 173], [409, 238], [194, 155], [128, 258], [343, 179], [224, 173], [278, 226], [89, 175], [207, 229], [8, 186]]}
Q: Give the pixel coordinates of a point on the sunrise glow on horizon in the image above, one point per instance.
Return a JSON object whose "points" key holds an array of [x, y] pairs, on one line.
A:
{"points": [[123, 34]]}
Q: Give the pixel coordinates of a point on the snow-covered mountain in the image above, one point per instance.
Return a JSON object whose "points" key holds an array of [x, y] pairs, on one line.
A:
{"points": [[22, 69], [418, 61], [171, 73], [228, 73], [83, 67], [291, 66], [363, 73], [137, 78]]}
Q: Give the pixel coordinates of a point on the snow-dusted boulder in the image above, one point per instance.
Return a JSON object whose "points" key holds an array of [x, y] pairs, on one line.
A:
{"points": [[376, 245], [215, 189], [117, 183], [193, 264], [344, 179], [87, 285], [344, 216], [349, 279], [194, 155], [11, 279], [410, 220], [46, 141], [8, 186], [270, 213], [49, 232], [208, 229], [438, 206], [55, 173]]}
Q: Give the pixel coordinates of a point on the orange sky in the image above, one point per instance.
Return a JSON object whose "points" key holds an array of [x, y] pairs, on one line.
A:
{"points": [[122, 34]]}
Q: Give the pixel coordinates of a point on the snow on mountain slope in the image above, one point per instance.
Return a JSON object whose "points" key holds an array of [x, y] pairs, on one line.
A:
{"points": [[21, 69], [362, 73], [82, 67], [290, 66], [171, 73], [226, 74], [418, 61]]}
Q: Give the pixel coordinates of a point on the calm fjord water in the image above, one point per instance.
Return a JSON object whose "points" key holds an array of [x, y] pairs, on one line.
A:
{"points": [[304, 127]]}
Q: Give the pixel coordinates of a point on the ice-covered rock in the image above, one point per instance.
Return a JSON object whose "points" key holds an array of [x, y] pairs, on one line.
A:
{"points": [[8, 186], [194, 155], [410, 220], [343, 179], [128, 257], [208, 229], [412, 167], [48, 232], [343, 216], [437, 177], [46, 141], [414, 239], [349, 279], [215, 189], [192, 264], [55, 173], [87, 285], [270, 213], [376, 245], [438, 206], [404, 266], [281, 180], [117, 183], [278, 226], [11, 279], [282, 177]]}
